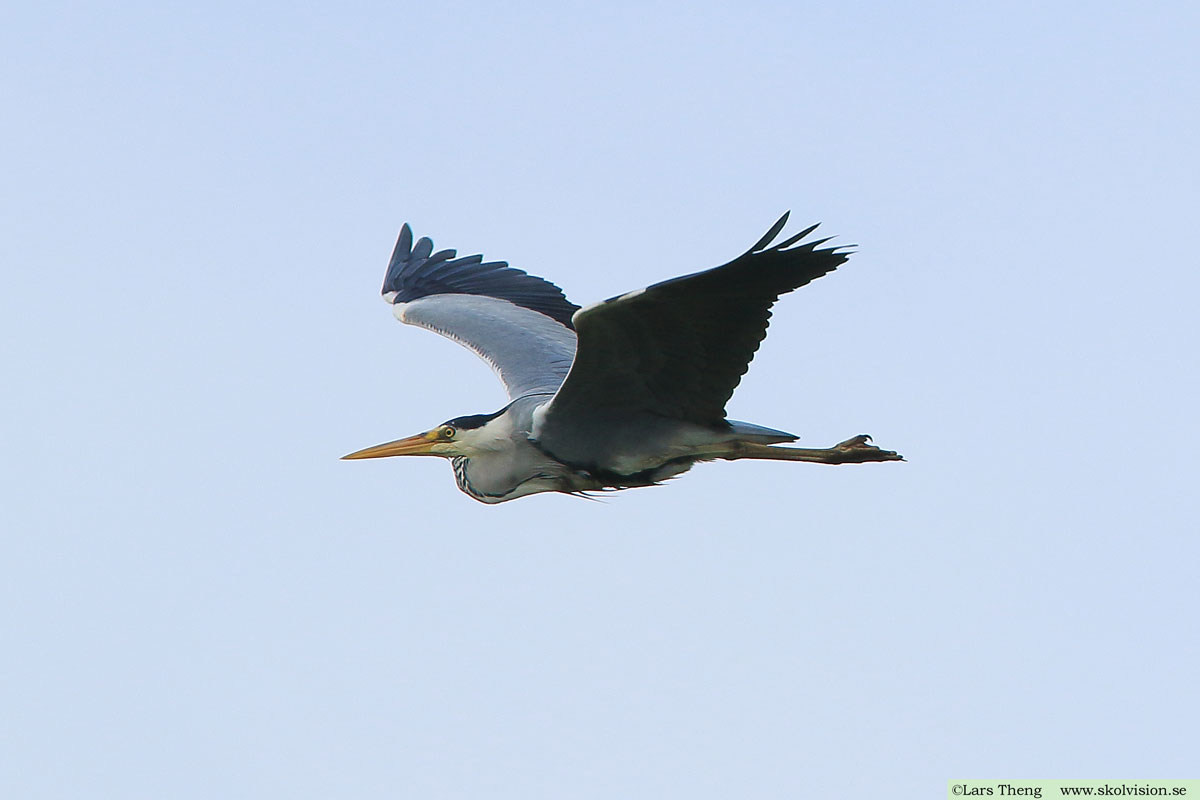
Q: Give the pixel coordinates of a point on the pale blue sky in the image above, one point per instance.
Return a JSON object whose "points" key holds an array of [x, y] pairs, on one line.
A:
{"points": [[198, 600]]}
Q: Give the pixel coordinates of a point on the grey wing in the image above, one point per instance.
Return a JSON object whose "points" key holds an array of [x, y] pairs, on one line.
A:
{"points": [[518, 323], [674, 351]]}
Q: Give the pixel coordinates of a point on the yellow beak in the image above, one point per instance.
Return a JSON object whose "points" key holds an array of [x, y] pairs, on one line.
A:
{"points": [[419, 445]]}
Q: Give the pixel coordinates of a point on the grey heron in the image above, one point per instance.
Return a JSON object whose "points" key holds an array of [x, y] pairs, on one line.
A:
{"points": [[627, 392]]}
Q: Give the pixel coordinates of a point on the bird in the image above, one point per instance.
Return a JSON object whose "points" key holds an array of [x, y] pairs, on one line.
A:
{"points": [[625, 393]]}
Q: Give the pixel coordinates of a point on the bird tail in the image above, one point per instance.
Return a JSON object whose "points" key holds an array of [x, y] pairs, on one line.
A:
{"points": [[747, 432]]}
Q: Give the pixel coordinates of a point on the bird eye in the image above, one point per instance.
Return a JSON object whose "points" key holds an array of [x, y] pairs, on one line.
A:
{"points": [[448, 432]]}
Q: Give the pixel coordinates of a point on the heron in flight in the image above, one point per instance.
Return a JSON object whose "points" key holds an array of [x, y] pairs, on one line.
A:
{"points": [[627, 392]]}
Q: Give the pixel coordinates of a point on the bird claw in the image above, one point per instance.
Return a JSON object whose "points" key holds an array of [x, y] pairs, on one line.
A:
{"points": [[858, 450]]}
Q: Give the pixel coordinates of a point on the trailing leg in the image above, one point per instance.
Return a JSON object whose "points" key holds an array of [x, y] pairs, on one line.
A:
{"points": [[852, 451]]}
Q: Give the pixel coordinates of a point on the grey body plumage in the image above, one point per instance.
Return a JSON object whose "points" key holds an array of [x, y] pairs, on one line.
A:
{"points": [[624, 393]]}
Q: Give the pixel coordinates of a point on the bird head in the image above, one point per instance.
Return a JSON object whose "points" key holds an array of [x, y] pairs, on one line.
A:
{"points": [[459, 437]]}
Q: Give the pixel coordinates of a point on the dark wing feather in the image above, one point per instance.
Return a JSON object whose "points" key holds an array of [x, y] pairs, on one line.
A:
{"points": [[416, 272], [679, 348]]}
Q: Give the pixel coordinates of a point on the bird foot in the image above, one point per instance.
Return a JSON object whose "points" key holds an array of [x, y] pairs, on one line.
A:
{"points": [[858, 450]]}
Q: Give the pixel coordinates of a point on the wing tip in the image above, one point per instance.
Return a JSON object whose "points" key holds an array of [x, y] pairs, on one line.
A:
{"points": [[796, 242], [415, 270], [772, 233]]}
